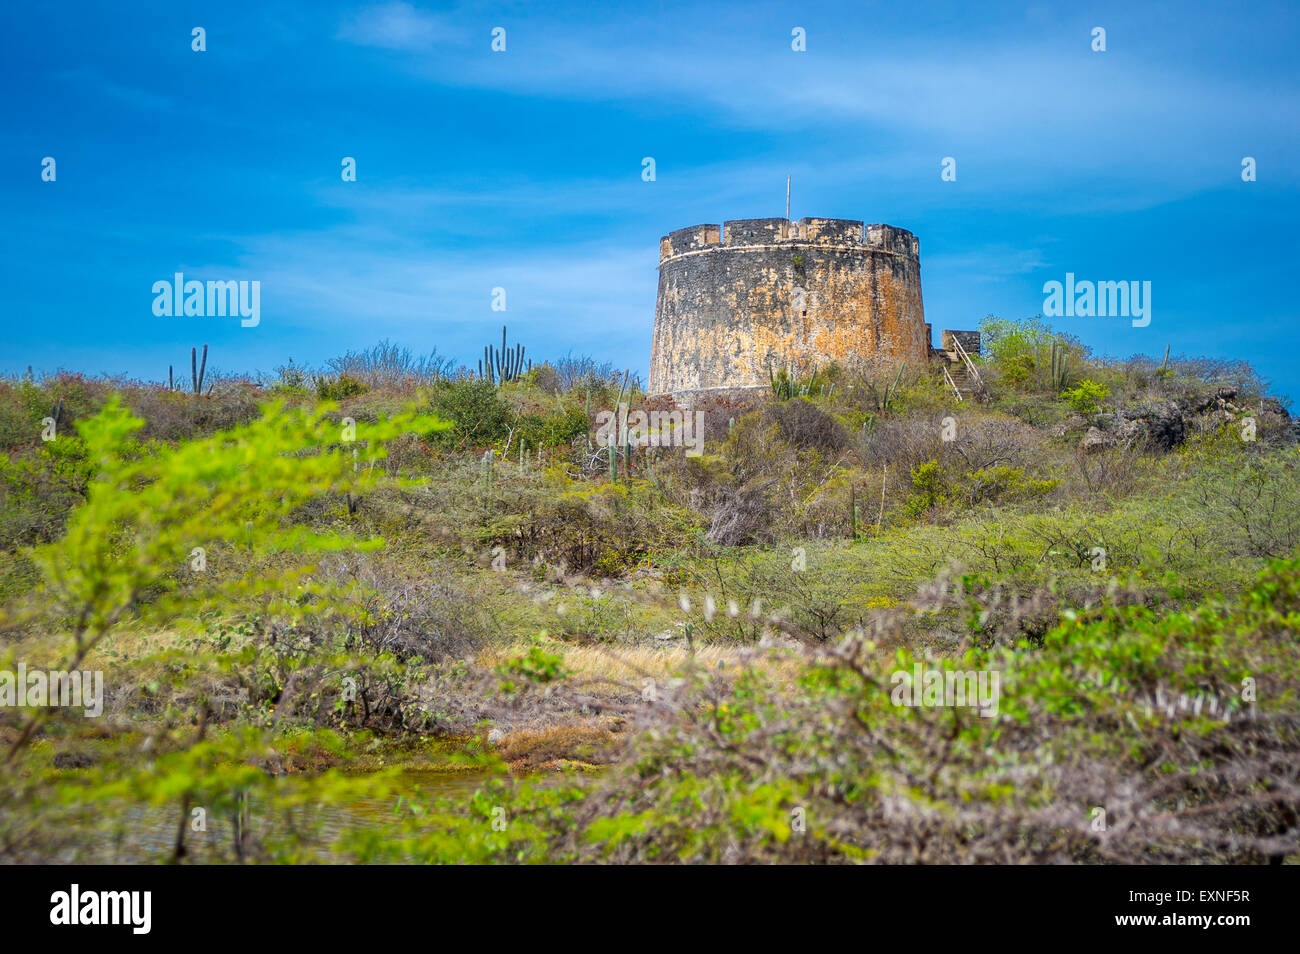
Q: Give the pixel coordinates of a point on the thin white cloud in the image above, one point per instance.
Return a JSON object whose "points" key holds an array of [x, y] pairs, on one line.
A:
{"points": [[399, 26], [1036, 110]]}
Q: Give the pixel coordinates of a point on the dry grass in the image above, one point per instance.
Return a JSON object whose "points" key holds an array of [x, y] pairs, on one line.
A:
{"points": [[624, 667], [546, 748], [622, 663]]}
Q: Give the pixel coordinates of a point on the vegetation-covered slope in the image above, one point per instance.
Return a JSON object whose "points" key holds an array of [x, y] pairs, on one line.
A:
{"points": [[303, 589]]}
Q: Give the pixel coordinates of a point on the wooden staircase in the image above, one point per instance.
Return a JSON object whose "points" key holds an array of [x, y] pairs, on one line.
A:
{"points": [[960, 373]]}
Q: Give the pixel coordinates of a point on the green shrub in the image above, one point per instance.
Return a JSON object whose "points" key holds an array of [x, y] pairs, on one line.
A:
{"points": [[538, 664], [339, 387], [929, 486], [1086, 398], [38, 489], [479, 417], [559, 430], [1002, 482], [292, 379], [1018, 369]]}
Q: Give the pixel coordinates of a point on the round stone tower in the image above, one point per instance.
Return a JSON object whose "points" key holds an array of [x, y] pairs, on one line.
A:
{"points": [[760, 293]]}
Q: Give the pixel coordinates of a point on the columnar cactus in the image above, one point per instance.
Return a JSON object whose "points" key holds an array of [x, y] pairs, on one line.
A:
{"points": [[1058, 370], [197, 370], [504, 365]]}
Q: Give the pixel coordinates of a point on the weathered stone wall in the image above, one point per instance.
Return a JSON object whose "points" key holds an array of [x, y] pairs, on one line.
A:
{"points": [[970, 340], [730, 304]]}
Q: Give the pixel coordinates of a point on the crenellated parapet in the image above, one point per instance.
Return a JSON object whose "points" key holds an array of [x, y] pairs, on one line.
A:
{"points": [[768, 233]]}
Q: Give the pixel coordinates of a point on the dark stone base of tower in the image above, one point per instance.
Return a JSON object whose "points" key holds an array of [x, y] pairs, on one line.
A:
{"points": [[756, 294]]}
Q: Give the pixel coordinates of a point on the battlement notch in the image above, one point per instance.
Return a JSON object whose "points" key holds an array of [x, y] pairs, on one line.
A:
{"points": [[690, 239]]}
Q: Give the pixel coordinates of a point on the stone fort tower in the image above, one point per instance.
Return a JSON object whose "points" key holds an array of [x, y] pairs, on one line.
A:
{"points": [[754, 293]]}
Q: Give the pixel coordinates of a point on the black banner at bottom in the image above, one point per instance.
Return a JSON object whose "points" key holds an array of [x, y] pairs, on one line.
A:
{"points": [[337, 904]]}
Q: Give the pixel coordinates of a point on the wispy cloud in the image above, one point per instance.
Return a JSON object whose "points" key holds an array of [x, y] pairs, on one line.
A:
{"points": [[400, 26], [1042, 109]]}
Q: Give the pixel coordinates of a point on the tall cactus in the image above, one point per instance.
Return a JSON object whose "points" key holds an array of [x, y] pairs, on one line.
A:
{"points": [[891, 391], [587, 411], [197, 370], [622, 389], [1059, 366], [627, 447], [504, 365]]}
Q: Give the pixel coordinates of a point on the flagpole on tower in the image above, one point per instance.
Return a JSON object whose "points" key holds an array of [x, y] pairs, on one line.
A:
{"points": [[787, 198]]}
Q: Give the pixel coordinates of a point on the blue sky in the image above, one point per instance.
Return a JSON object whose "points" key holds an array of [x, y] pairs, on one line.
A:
{"points": [[522, 169]]}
